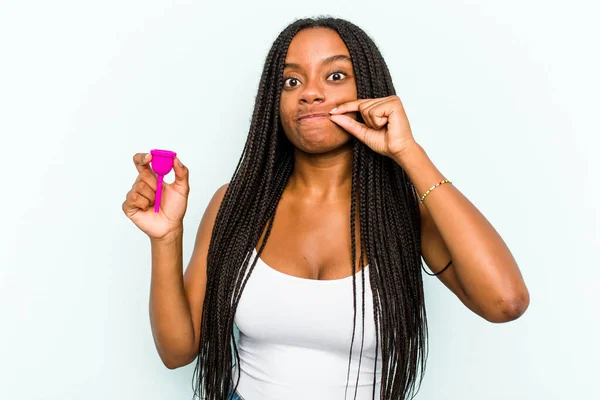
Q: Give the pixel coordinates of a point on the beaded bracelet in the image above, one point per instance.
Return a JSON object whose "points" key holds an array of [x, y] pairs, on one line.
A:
{"points": [[433, 187]]}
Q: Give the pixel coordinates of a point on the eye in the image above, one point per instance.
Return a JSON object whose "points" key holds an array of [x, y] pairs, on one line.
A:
{"points": [[293, 82], [337, 74]]}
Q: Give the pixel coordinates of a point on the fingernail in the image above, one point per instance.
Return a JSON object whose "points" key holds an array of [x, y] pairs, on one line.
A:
{"points": [[180, 163], [146, 156], [333, 110]]}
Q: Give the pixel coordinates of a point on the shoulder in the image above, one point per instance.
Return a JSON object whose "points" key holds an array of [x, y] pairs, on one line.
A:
{"points": [[220, 193], [214, 204]]}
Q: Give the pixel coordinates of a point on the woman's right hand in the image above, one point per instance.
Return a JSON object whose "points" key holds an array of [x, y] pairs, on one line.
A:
{"points": [[139, 202]]}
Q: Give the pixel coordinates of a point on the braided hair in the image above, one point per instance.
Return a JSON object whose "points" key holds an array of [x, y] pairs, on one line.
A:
{"points": [[389, 230]]}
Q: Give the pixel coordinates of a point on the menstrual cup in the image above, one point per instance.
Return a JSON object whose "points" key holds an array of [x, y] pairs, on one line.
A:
{"points": [[162, 164]]}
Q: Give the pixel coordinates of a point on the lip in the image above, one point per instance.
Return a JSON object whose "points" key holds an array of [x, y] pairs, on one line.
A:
{"points": [[315, 116]]}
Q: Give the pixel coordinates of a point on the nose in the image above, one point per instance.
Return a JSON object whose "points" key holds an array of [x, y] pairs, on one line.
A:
{"points": [[313, 92]]}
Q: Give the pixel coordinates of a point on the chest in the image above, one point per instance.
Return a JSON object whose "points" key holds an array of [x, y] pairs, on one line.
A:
{"points": [[312, 242]]}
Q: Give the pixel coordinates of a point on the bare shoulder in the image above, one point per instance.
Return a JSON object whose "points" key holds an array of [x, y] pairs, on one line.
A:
{"points": [[217, 198]]}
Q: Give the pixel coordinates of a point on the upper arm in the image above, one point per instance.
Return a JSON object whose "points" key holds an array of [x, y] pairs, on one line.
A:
{"points": [[194, 278], [436, 256]]}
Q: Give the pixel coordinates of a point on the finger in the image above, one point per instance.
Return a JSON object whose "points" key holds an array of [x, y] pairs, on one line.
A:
{"points": [[135, 202], [374, 113], [374, 139], [142, 161], [141, 202], [352, 126], [182, 174], [352, 106], [147, 176], [145, 190]]}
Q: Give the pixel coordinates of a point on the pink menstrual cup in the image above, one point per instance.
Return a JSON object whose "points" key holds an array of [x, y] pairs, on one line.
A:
{"points": [[162, 164]]}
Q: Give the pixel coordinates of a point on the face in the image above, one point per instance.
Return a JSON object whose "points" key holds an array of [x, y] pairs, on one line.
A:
{"points": [[318, 76]]}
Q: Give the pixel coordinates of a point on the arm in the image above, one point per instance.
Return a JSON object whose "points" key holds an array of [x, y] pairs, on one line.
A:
{"points": [[176, 300], [170, 316], [483, 274]]}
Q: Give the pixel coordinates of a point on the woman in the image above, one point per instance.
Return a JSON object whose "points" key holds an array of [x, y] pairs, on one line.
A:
{"points": [[314, 247]]}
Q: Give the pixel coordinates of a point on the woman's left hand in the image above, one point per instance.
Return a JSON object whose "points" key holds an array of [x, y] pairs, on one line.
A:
{"points": [[386, 129]]}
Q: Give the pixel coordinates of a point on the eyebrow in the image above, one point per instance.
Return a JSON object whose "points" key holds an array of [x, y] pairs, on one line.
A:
{"points": [[328, 60]]}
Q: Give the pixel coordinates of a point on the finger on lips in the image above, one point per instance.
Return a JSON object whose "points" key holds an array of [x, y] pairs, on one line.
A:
{"points": [[368, 110], [349, 106]]}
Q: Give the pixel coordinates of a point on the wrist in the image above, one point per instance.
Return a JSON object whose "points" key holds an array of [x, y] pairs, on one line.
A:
{"points": [[419, 168], [411, 154], [173, 236]]}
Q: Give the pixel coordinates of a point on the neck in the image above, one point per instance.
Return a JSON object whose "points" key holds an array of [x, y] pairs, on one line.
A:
{"points": [[322, 178]]}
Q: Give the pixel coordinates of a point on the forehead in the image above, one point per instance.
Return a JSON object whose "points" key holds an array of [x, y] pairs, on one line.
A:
{"points": [[315, 44]]}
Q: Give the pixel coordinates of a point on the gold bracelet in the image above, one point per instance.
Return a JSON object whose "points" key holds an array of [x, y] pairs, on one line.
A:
{"points": [[433, 187]]}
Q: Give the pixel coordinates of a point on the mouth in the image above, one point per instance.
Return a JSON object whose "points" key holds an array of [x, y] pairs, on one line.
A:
{"points": [[313, 117]]}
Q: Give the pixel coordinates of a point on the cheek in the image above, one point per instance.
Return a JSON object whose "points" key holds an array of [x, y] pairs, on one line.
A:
{"points": [[285, 115], [287, 123]]}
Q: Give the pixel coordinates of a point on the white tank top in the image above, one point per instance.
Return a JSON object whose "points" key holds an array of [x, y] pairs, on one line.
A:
{"points": [[295, 336]]}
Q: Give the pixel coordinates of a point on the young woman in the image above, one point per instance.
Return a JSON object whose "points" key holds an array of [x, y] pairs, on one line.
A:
{"points": [[314, 247]]}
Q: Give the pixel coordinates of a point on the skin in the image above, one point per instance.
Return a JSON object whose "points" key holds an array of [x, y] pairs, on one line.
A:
{"points": [[316, 203]]}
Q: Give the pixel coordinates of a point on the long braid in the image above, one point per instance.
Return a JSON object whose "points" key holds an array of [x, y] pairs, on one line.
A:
{"points": [[389, 222]]}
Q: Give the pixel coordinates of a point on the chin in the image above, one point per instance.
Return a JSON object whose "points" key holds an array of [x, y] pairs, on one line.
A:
{"points": [[321, 142]]}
